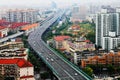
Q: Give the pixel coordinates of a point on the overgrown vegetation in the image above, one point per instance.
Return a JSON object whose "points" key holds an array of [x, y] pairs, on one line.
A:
{"points": [[34, 61], [89, 29]]}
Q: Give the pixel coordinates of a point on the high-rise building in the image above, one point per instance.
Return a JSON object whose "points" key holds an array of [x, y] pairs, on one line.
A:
{"points": [[53, 5], [108, 30], [28, 15], [78, 13]]}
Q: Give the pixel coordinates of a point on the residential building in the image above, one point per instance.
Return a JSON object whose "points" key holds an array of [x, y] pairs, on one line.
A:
{"points": [[80, 44], [29, 28], [13, 49], [16, 26], [108, 58], [12, 26], [78, 13], [14, 53], [3, 31], [53, 5], [108, 30], [60, 42], [11, 45], [3, 22], [17, 68], [75, 29], [65, 43], [93, 9], [76, 48], [26, 15]]}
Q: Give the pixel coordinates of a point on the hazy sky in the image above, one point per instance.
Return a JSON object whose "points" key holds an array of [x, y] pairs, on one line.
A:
{"points": [[31, 3]]}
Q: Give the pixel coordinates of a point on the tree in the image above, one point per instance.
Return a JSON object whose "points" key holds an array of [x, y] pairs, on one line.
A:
{"points": [[34, 61], [110, 68], [88, 71], [44, 75]]}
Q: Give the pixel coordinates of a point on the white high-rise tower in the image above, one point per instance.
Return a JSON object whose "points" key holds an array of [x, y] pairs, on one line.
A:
{"points": [[108, 30]]}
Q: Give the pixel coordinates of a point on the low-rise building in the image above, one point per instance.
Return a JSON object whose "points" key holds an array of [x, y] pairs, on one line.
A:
{"points": [[17, 68], [81, 46], [61, 42], [66, 44], [77, 47], [12, 26], [3, 22], [75, 29], [3, 31], [16, 26], [11, 45], [29, 28], [14, 53], [108, 58], [14, 48]]}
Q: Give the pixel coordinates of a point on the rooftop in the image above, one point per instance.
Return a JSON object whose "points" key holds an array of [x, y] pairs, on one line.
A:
{"points": [[61, 38], [30, 76], [4, 22], [27, 27], [1, 27], [19, 61], [75, 27], [87, 40], [15, 25]]}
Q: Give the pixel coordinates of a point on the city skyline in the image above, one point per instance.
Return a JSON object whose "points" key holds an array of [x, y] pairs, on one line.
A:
{"points": [[59, 39], [39, 3]]}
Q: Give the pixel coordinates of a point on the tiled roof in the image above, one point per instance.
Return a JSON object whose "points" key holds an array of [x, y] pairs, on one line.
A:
{"points": [[75, 27], [1, 21], [61, 38], [27, 27], [4, 23], [16, 25], [87, 40], [1, 27], [18, 61], [18, 40], [62, 49], [29, 76]]}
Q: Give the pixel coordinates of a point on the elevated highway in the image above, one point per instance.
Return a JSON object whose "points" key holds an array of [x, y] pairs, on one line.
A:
{"points": [[61, 68]]}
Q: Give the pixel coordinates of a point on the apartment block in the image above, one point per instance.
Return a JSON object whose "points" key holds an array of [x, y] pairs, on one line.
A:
{"points": [[108, 30], [17, 68], [108, 58], [26, 15]]}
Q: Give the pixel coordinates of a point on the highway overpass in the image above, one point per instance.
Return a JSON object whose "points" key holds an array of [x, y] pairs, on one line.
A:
{"points": [[61, 68]]}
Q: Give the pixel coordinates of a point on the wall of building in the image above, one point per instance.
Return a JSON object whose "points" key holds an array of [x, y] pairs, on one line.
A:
{"points": [[26, 71], [3, 32], [107, 30]]}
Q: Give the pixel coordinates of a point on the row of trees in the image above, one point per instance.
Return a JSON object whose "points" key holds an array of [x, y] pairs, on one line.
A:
{"points": [[34, 61], [99, 69]]}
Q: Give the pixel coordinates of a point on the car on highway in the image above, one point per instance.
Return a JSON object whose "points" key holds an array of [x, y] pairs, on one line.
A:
{"points": [[52, 60], [76, 74], [47, 58]]}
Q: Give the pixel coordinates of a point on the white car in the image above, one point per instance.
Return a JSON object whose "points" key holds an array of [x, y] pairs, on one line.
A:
{"points": [[47, 58], [52, 60], [76, 74]]}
